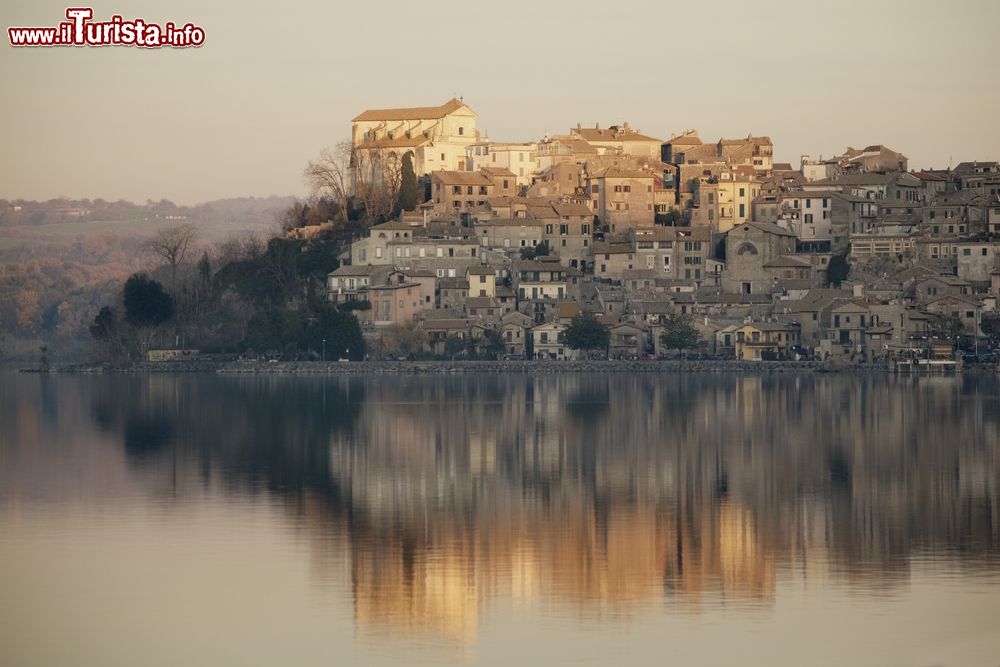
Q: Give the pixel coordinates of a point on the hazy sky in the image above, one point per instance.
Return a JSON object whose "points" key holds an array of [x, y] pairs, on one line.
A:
{"points": [[276, 82]]}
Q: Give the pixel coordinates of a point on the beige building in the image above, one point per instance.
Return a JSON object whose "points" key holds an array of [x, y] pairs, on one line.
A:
{"points": [[401, 298], [622, 198], [724, 201], [563, 148], [548, 342], [765, 340], [482, 281], [619, 139], [437, 136], [509, 233], [463, 191], [541, 278], [757, 152], [672, 252], [402, 246], [561, 179], [518, 158], [567, 226]]}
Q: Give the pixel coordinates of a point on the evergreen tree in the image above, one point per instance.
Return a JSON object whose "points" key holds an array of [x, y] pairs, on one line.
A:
{"points": [[679, 334], [408, 186], [586, 333], [146, 304], [838, 269]]}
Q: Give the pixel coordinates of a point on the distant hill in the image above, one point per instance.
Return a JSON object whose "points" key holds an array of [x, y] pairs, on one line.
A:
{"points": [[20, 212]]}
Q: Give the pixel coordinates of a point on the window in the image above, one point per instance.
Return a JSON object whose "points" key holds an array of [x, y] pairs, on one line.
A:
{"points": [[461, 131], [743, 192], [594, 188], [378, 252]]}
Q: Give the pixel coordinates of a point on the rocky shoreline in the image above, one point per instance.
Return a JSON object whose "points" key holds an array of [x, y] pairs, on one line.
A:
{"points": [[452, 367]]}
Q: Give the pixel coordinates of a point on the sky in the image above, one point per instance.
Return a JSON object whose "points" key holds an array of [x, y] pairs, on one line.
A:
{"points": [[275, 83]]}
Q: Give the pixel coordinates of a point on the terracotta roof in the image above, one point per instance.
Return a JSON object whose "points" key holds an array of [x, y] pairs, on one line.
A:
{"points": [[445, 324], [499, 171], [482, 270], [461, 178], [352, 270], [393, 225], [686, 139], [621, 172], [411, 113], [614, 133]]}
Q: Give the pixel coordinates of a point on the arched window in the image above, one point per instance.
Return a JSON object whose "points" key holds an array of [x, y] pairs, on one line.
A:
{"points": [[747, 249]]}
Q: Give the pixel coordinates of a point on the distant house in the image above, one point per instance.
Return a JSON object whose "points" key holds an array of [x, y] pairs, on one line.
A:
{"points": [[765, 341], [348, 283], [401, 298], [628, 339], [548, 342], [515, 331]]}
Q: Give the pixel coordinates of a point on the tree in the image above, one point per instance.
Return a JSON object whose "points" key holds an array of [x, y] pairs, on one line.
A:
{"points": [[147, 306], [330, 175], [295, 216], [107, 329], [453, 345], [371, 175], [585, 332], [672, 218], [493, 345], [204, 269], [838, 269], [171, 245], [540, 250], [341, 331], [679, 333], [405, 340], [408, 184]]}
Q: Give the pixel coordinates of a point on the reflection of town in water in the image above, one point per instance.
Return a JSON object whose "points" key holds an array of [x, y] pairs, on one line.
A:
{"points": [[598, 494]]}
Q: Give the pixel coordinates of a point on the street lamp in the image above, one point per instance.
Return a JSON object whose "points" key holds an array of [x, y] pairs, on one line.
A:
{"points": [[324, 349]]}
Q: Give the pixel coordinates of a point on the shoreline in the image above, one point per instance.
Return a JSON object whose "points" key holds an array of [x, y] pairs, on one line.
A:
{"points": [[509, 366]]}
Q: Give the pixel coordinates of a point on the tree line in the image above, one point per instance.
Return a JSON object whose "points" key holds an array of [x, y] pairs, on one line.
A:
{"points": [[250, 297]]}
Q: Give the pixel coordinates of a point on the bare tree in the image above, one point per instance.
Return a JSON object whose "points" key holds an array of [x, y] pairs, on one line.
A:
{"points": [[372, 175], [331, 175], [171, 245]]}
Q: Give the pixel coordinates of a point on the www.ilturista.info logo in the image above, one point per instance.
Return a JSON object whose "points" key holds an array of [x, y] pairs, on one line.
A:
{"points": [[79, 30]]}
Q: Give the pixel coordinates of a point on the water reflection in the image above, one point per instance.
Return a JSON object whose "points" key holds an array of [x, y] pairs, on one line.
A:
{"points": [[597, 495]]}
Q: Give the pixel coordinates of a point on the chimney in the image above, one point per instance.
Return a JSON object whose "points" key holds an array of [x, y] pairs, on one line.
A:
{"points": [[859, 290]]}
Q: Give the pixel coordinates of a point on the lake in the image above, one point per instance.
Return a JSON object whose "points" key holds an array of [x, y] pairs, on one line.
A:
{"points": [[496, 520]]}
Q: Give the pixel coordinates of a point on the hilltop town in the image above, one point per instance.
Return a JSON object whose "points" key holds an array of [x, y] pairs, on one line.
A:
{"points": [[854, 256]]}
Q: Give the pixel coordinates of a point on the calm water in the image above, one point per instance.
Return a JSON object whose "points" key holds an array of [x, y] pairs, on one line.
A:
{"points": [[814, 520]]}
